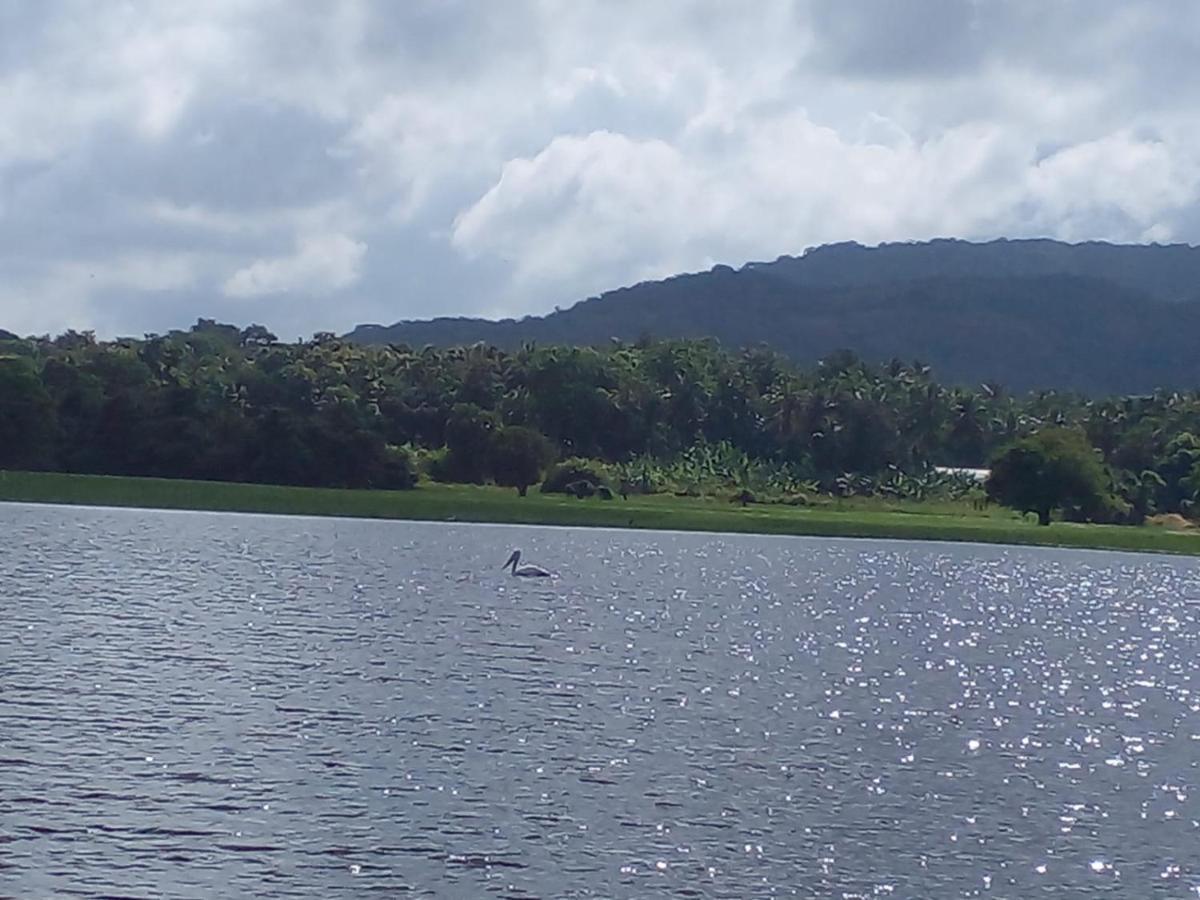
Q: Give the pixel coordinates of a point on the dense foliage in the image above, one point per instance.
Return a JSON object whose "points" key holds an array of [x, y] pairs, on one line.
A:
{"points": [[217, 402], [1053, 469], [1096, 318]]}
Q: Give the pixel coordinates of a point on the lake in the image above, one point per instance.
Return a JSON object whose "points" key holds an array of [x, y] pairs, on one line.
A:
{"points": [[210, 704]]}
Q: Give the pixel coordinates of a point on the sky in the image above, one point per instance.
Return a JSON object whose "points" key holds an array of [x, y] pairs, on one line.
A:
{"points": [[311, 165]]}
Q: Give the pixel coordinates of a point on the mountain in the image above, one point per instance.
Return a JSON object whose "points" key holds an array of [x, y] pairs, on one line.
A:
{"points": [[1097, 318], [1170, 273]]}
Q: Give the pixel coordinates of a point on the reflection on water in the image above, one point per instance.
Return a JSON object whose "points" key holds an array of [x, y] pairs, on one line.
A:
{"points": [[195, 704]]}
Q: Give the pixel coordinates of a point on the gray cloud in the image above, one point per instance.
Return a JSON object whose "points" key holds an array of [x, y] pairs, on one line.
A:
{"points": [[894, 39], [314, 165]]}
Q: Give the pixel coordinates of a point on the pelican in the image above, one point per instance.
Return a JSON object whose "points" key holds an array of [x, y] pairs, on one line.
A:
{"points": [[526, 571]]}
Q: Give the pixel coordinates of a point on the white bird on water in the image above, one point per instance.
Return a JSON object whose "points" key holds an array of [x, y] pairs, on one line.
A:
{"points": [[525, 571]]}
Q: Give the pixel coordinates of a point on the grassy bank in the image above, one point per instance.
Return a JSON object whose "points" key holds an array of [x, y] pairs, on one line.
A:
{"points": [[851, 518]]}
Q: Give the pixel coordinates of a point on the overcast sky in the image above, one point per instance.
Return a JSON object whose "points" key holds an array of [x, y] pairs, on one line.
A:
{"points": [[315, 165]]}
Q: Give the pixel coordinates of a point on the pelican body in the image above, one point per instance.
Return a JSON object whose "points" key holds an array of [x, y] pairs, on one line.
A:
{"points": [[525, 571]]}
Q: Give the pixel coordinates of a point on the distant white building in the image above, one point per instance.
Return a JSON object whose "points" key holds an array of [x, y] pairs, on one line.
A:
{"points": [[979, 475]]}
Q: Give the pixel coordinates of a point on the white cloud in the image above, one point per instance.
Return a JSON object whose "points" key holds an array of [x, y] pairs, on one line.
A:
{"points": [[523, 155], [84, 289], [253, 224], [320, 264], [586, 206], [602, 201], [1140, 179]]}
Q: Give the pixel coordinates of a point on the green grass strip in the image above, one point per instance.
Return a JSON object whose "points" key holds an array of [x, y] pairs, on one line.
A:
{"points": [[463, 503]]}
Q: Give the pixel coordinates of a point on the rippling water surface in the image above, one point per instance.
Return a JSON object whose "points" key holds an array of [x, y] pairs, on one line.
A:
{"points": [[196, 704]]}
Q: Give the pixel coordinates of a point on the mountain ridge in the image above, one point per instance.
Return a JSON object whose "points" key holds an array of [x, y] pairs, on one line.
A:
{"points": [[1169, 272], [1036, 313]]}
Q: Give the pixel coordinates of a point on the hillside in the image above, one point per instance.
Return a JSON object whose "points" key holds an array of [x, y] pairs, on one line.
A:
{"points": [[1096, 318], [1170, 273]]}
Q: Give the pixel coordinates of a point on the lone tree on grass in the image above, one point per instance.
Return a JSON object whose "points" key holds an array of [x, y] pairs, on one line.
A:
{"points": [[1050, 470], [519, 456]]}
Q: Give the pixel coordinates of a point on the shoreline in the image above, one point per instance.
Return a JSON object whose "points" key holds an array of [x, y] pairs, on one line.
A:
{"points": [[491, 505], [892, 539]]}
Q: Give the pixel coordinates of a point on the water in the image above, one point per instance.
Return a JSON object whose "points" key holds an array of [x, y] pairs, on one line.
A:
{"points": [[199, 705]]}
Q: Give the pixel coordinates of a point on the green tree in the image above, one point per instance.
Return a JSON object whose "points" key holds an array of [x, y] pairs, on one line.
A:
{"points": [[1192, 485], [1052, 469], [257, 336], [1177, 467], [79, 399], [519, 456], [469, 432], [27, 421], [224, 402]]}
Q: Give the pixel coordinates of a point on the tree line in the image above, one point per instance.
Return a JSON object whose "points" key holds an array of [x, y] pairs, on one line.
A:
{"points": [[220, 402]]}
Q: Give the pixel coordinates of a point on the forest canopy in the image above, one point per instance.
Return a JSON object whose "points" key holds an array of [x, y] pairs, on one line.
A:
{"points": [[219, 402]]}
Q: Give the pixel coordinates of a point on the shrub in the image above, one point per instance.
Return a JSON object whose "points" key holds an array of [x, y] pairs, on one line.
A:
{"points": [[570, 471], [743, 497], [433, 463], [580, 489], [399, 468]]}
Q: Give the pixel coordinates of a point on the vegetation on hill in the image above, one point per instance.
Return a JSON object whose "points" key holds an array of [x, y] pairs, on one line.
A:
{"points": [[1095, 318], [1169, 273], [686, 417]]}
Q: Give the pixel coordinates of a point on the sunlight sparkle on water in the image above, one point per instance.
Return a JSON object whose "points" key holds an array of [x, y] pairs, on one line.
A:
{"points": [[446, 735]]}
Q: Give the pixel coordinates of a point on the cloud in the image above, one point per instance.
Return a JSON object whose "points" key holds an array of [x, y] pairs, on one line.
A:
{"points": [[584, 207], [238, 159], [888, 39], [91, 292], [320, 264], [598, 198], [1142, 182]]}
